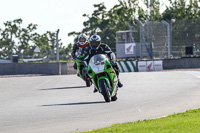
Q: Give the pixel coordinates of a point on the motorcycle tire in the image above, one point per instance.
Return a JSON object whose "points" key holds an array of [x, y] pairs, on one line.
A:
{"points": [[104, 89], [88, 83]]}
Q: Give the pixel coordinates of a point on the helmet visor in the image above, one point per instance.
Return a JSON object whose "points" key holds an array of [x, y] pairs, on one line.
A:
{"points": [[82, 40], [94, 44]]}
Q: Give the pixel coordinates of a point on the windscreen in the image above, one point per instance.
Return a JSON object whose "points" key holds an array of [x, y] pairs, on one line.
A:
{"points": [[97, 59]]}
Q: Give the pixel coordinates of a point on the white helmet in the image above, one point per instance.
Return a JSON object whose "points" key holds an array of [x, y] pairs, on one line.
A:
{"points": [[82, 38], [95, 40]]}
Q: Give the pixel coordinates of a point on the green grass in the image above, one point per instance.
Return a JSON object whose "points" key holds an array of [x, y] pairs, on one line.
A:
{"points": [[187, 122]]}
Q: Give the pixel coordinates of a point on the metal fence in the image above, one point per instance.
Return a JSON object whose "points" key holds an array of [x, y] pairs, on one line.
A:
{"points": [[172, 39], [34, 54], [185, 33], [155, 41]]}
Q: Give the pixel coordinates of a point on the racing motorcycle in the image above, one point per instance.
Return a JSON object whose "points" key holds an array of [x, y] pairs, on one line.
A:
{"points": [[103, 77], [82, 73]]}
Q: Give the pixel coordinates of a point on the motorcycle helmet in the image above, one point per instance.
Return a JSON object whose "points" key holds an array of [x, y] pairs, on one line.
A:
{"points": [[82, 38], [95, 40]]}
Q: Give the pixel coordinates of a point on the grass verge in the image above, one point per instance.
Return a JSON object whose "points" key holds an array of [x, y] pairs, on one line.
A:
{"points": [[187, 122]]}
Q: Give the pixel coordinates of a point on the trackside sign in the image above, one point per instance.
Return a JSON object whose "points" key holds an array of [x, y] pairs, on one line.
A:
{"points": [[158, 65], [142, 66], [129, 48], [149, 66]]}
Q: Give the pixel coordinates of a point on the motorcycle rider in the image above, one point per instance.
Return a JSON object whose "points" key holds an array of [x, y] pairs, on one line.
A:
{"points": [[79, 47], [96, 47]]}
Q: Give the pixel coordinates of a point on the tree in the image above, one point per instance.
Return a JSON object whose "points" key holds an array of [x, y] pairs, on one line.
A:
{"points": [[11, 29], [107, 23], [69, 49], [185, 24], [180, 10], [26, 39]]}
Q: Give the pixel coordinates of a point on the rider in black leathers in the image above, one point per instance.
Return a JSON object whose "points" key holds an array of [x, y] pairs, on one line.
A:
{"points": [[96, 47]]}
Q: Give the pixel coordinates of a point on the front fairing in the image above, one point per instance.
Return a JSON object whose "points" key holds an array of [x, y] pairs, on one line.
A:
{"points": [[97, 63], [80, 63]]}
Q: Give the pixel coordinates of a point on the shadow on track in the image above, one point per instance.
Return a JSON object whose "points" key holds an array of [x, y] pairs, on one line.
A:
{"points": [[81, 103], [74, 87]]}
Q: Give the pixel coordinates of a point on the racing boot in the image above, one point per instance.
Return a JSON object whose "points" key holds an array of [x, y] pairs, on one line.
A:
{"points": [[120, 84], [78, 74], [95, 90], [75, 66]]}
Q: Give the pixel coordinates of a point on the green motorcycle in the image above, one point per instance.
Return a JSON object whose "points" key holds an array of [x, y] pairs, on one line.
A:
{"points": [[103, 77], [81, 70]]}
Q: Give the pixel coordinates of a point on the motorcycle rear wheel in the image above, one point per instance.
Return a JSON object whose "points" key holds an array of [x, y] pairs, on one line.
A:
{"points": [[85, 77], [88, 83]]}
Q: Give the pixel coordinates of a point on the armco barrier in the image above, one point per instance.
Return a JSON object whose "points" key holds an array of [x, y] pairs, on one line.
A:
{"points": [[127, 66], [182, 63], [37, 68], [124, 66]]}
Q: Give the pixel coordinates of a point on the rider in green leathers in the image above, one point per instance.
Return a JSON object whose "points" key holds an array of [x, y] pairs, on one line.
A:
{"points": [[79, 47]]}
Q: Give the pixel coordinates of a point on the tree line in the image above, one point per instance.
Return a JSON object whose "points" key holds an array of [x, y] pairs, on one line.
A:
{"points": [[27, 39], [102, 22], [107, 22]]}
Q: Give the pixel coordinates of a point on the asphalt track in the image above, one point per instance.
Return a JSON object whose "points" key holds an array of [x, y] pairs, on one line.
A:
{"points": [[62, 104]]}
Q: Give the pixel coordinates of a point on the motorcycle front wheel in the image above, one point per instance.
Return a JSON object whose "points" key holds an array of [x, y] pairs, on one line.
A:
{"points": [[104, 89]]}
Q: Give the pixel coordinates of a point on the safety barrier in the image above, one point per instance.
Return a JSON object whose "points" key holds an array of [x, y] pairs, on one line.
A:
{"points": [[127, 66], [124, 66], [148, 66], [37, 68], [140, 66]]}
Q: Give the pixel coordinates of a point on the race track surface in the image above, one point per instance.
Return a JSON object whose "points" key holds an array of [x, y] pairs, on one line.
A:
{"points": [[62, 104]]}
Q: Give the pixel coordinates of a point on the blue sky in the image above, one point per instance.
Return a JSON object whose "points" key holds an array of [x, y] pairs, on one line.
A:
{"points": [[51, 15]]}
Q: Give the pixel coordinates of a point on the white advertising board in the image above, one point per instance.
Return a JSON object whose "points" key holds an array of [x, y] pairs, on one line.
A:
{"points": [[142, 66], [158, 65], [150, 66]]}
